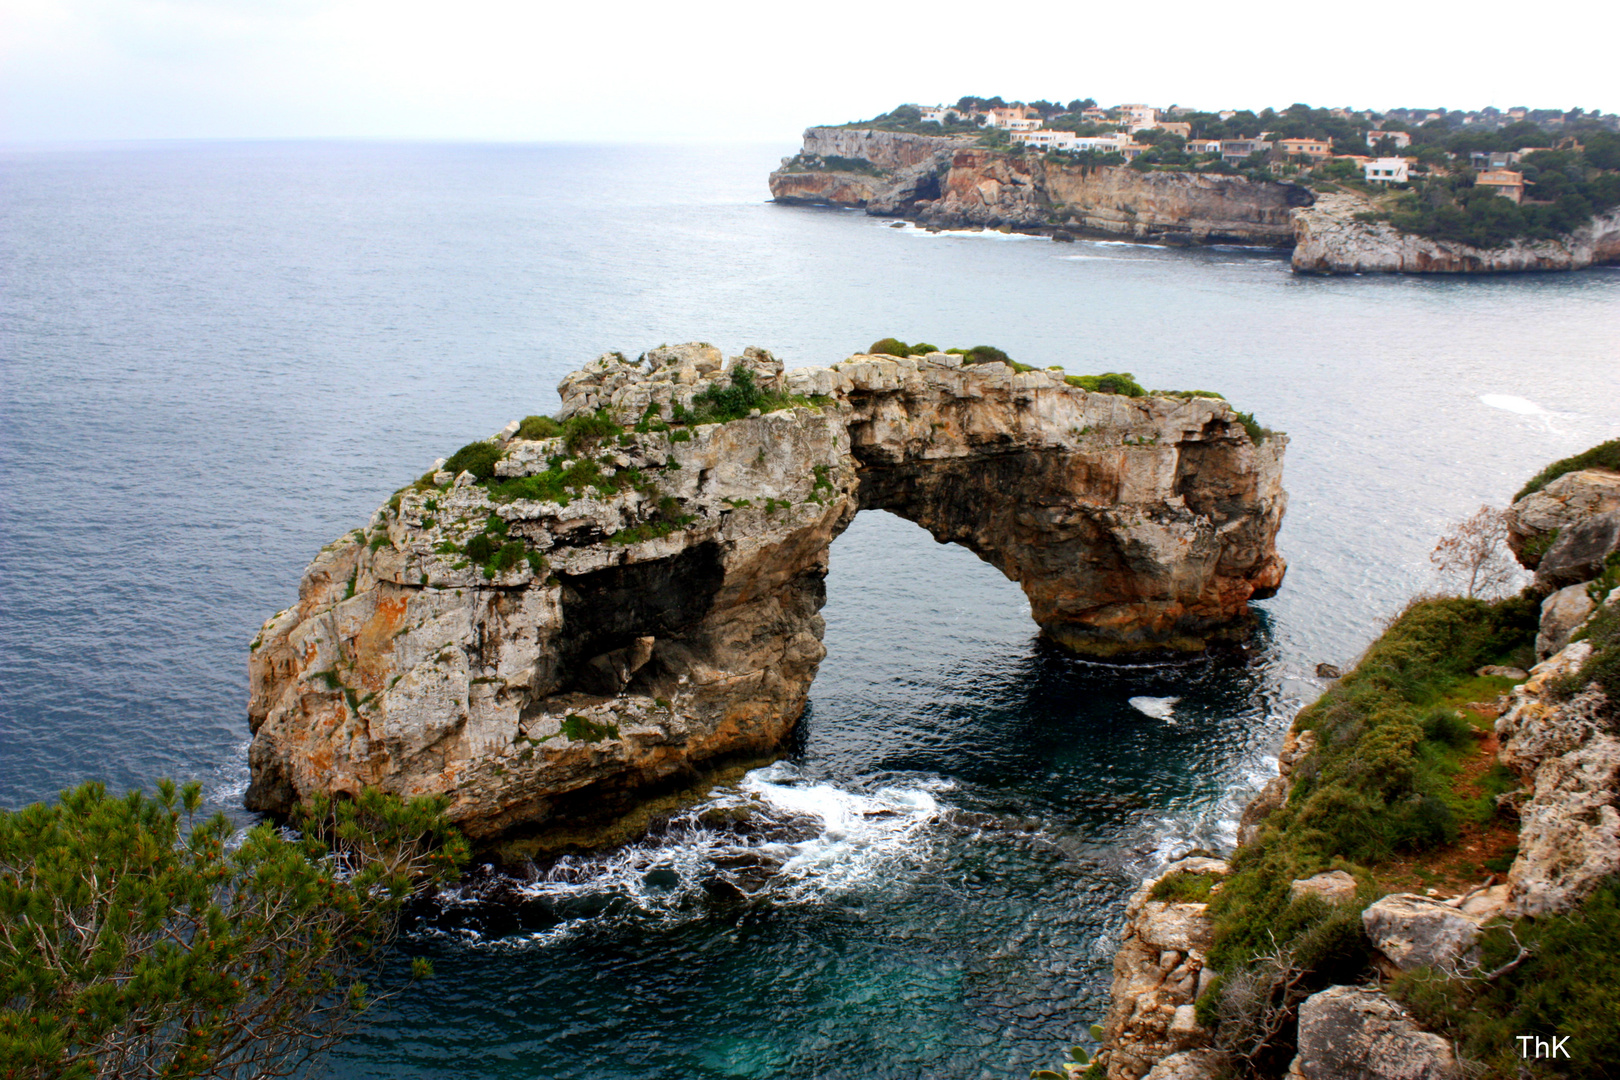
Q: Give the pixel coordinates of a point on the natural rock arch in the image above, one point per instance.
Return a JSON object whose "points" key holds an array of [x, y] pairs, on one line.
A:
{"points": [[537, 654]]}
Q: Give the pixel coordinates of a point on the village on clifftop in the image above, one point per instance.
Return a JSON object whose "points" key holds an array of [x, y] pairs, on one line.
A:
{"points": [[1297, 142]]}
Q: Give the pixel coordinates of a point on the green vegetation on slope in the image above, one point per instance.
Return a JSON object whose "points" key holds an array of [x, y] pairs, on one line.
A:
{"points": [[1565, 190], [1377, 785]]}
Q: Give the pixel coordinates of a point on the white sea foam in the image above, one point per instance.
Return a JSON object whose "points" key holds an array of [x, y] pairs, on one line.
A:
{"points": [[1160, 708], [806, 841], [1514, 404], [987, 234]]}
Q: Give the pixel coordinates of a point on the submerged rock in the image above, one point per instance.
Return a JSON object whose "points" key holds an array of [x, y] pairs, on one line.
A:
{"points": [[613, 611]]}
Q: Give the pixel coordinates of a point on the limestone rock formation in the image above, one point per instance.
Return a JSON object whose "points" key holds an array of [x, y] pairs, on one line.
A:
{"points": [[1358, 1033], [1333, 887], [1412, 931], [1561, 614], [1329, 240], [1158, 974], [1536, 521], [950, 182], [1568, 755], [615, 607]]}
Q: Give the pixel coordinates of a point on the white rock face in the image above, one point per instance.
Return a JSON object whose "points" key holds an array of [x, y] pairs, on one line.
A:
{"points": [[1329, 240], [1357, 1033], [1561, 613], [1568, 756], [1334, 886], [1565, 502]]}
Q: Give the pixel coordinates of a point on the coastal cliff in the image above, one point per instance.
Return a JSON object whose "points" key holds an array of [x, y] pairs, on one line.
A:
{"points": [[1330, 240], [1427, 871], [607, 604], [951, 183]]}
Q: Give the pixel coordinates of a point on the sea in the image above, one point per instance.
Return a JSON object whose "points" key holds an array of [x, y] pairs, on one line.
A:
{"points": [[216, 357]]}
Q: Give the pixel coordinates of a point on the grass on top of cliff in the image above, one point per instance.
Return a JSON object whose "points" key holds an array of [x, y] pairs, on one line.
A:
{"points": [[1379, 783], [1605, 455]]}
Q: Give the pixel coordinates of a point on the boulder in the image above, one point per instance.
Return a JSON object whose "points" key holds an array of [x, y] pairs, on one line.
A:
{"points": [[1578, 553], [1561, 614], [1359, 1033], [1335, 887], [1413, 931], [1191, 1065], [1536, 521]]}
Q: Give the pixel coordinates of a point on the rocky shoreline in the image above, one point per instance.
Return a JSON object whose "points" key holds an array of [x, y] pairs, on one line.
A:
{"points": [[952, 182], [948, 183], [1330, 240], [1562, 748]]}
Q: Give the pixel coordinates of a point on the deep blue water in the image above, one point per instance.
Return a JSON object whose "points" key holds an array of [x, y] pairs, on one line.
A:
{"points": [[216, 357]]}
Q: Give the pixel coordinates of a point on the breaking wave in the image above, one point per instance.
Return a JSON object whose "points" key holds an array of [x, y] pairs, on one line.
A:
{"points": [[776, 837]]}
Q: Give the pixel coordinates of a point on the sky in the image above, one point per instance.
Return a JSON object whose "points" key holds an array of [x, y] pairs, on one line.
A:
{"points": [[632, 71]]}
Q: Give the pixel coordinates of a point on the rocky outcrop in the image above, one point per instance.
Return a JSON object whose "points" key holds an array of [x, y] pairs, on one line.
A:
{"points": [[1411, 931], [1330, 240], [883, 149], [1358, 1033], [950, 182], [615, 607], [990, 188], [1566, 752], [1536, 521], [1158, 974]]}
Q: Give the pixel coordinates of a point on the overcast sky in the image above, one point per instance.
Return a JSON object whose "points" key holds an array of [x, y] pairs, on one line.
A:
{"points": [[634, 71]]}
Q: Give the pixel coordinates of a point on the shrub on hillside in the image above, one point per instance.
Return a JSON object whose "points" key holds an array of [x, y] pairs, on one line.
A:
{"points": [[156, 945], [478, 458]]}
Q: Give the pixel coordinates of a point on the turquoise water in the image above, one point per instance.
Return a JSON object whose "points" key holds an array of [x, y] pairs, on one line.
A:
{"points": [[216, 357]]}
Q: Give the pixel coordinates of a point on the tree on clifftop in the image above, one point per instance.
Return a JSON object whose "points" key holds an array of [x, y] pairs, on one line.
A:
{"points": [[1474, 555], [138, 942]]}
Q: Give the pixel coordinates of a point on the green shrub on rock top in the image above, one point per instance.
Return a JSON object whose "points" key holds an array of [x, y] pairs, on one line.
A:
{"points": [[1123, 383], [478, 458], [539, 427], [1602, 456], [585, 431]]}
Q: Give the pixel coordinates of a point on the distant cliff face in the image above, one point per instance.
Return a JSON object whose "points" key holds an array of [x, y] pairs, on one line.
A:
{"points": [[985, 187], [951, 183], [884, 149], [1329, 240], [633, 605]]}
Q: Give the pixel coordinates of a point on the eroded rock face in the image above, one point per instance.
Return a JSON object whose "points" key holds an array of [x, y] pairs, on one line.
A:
{"points": [[1358, 1033], [1537, 521], [1329, 240], [950, 182], [1158, 974], [669, 615], [1568, 755]]}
